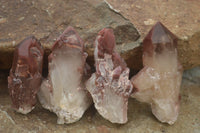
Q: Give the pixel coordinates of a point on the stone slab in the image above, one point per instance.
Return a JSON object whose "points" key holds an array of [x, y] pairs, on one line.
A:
{"points": [[47, 19], [140, 118]]}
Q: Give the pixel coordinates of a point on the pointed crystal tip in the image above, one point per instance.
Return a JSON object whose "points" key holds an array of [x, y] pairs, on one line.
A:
{"points": [[69, 38], [158, 39], [106, 40]]}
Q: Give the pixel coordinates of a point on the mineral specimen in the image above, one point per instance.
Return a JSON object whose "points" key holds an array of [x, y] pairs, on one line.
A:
{"points": [[158, 83], [63, 92], [109, 86], [26, 75]]}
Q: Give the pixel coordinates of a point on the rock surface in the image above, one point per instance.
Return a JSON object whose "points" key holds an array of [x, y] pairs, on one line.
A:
{"points": [[46, 19], [139, 115], [144, 14], [183, 23], [193, 75]]}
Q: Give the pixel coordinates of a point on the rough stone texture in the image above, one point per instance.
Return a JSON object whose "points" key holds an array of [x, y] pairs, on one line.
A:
{"points": [[193, 75], [139, 115], [183, 23], [144, 14], [46, 19]]}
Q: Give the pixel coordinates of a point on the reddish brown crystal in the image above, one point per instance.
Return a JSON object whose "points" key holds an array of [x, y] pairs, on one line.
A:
{"points": [[63, 92], [26, 74], [109, 86], [158, 83]]}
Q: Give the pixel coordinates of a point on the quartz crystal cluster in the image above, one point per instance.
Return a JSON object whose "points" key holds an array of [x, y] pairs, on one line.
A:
{"points": [[69, 90], [63, 92], [26, 75], [109, 86], [158, 83]]}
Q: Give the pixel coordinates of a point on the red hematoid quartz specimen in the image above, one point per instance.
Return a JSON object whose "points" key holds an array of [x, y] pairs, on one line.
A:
{"points": [[26, 75], [63, 92], [158, 83], [109, 86]]}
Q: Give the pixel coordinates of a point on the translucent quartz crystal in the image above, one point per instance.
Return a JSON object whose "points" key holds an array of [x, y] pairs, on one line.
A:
{"points": [[26, 75], [158, 83], [109, 86], [63, 92]]}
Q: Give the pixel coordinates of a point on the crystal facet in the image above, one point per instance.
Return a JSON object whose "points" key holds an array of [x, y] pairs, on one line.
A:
{"points": [[158, 83], [63, 92], [109, 86], [26, 75]]}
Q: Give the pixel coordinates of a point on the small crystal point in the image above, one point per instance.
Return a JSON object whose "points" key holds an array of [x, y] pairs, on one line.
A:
{"points": [[158, 83], [158, 39]]}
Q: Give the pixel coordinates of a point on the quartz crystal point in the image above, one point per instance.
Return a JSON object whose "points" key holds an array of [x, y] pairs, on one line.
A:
{"points": [[158, 83], [63, 92], [110, 86], [26, 75]]}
